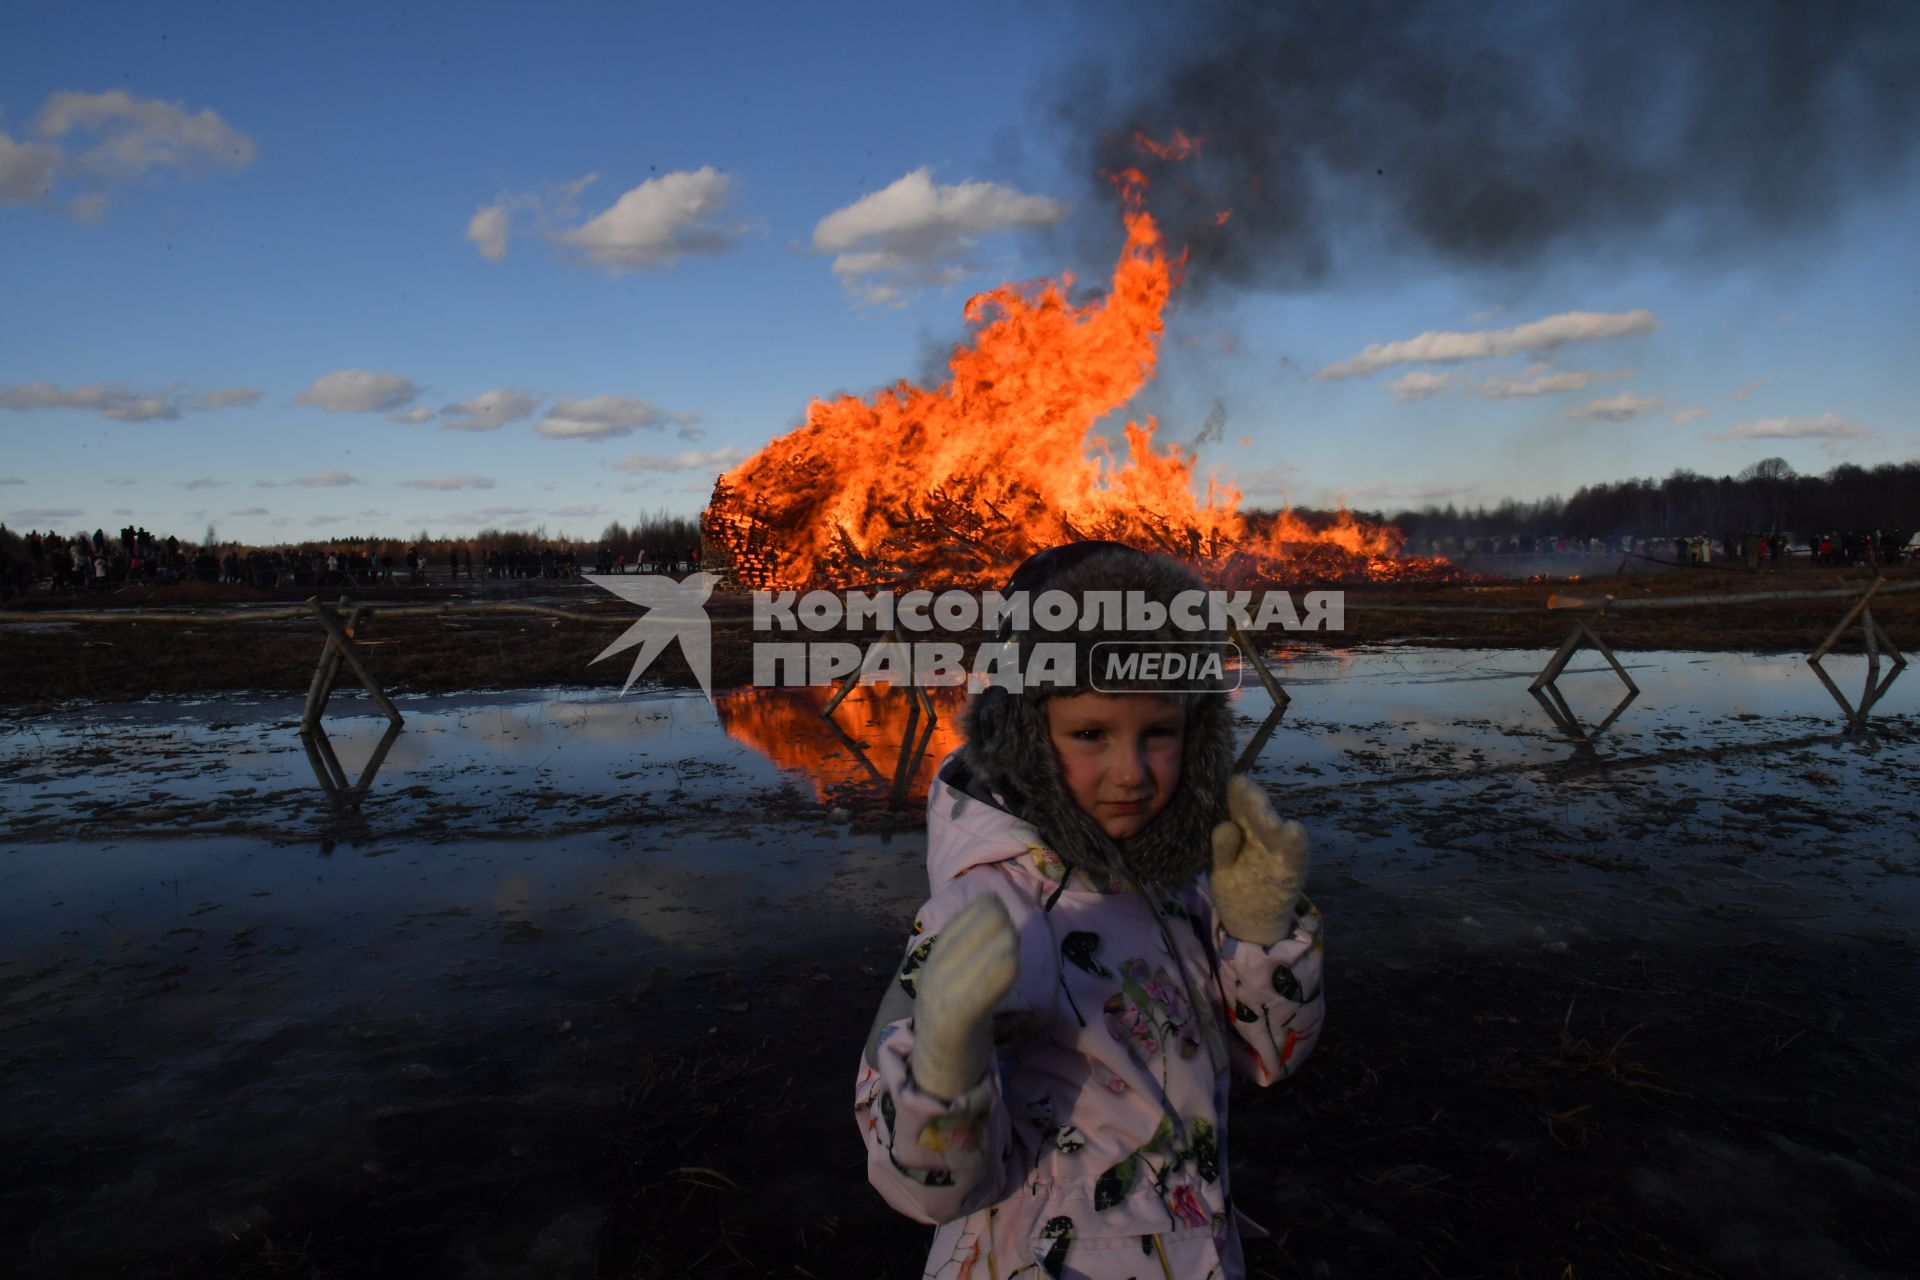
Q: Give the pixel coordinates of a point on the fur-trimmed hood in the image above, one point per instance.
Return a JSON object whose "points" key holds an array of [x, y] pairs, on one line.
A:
{"points": [[1009, 758]]}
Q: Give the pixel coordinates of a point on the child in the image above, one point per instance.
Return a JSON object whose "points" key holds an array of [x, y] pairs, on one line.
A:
{"points": [[1072, 944]]}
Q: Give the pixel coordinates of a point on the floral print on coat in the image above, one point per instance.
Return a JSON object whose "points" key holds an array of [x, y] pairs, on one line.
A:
{"points": [[1094, 1147]]}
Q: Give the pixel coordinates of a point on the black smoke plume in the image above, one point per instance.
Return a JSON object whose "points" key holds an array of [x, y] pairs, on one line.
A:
{"points": [[1491, 132]]}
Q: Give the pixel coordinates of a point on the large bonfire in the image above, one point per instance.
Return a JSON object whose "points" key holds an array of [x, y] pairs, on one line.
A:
{"points": [[954, 485]]}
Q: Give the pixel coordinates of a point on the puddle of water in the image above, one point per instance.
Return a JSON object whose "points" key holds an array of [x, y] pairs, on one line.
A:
{"points": [[539, 888], [484, 759]]}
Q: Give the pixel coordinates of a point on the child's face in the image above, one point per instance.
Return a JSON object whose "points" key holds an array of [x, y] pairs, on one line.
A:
{"points": [[1119, 755]]}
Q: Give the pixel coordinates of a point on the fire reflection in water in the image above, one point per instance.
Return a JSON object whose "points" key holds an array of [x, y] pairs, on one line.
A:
{"points": [[879, 736]]}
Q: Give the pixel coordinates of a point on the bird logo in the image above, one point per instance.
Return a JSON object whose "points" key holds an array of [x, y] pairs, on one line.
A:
{"points": [[675, 611]]}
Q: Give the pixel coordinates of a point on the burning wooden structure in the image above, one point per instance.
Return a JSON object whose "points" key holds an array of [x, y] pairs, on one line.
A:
{"points": [[956, 484]]}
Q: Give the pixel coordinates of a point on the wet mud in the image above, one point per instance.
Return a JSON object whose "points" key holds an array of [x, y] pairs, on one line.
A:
{"points": [[576, 985], [121, 657]]}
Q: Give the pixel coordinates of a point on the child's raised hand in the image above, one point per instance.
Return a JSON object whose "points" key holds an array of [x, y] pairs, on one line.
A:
{"points": [[973, 963], [1259, 866]]}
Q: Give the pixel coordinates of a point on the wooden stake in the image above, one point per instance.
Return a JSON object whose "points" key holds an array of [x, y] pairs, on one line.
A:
{"points": [[1886, 643], [354, 619], [853, 677], [1558, 661], [351, 657], [1833, 637], [1279, 695], [1259, 739], [324, 672], [326, 766], [374, 761], [1606, 651], [859, 752]]}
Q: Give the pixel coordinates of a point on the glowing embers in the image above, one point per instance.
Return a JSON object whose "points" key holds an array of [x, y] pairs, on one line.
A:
{"points": [[1877, 642], [1546, 690]]}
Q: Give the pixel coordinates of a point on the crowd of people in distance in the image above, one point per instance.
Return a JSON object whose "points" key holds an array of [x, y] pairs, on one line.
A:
{"points": [[647, 560], [1753, 549], [84, 562]]}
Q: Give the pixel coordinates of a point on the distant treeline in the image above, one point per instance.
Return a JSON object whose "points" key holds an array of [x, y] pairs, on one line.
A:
{"points": [[659, 530], [1767, 497]]}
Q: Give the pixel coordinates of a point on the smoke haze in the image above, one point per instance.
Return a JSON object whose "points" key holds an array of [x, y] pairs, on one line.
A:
{"points": [[1488, 134]]}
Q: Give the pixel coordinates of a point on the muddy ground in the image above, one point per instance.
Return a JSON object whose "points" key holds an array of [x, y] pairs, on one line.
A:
{"points": [[578, 989], [118, 660]]}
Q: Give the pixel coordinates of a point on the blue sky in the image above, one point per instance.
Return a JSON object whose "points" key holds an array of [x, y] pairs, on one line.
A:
{"points": [[378, 269]]}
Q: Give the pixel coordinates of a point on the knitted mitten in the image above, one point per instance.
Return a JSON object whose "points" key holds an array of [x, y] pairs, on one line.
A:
{"points": [[973, 963], [1259, 865]]}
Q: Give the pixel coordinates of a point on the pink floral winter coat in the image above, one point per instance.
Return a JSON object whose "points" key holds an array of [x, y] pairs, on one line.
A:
{"points": [[1097, 1148]]}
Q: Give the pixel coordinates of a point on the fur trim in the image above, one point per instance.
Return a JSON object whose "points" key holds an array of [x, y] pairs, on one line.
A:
{"points": [[1008, 749]]}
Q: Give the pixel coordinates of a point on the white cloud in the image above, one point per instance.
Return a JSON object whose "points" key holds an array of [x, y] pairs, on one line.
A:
{"points": [[1419, 384], [1536, 381], [202, 483], [1688, 416], [114, 137], [6, 480], [488, 230], [489, 411], [1547, 335], [359, 391], [1742, 393], [1618, 408], [451, 482], [1835, 433], [26, 170], [914, 232], [138, 134], [34, 515], [324, 480], [575, 513], [108, 399], [227, 398], [691, 460], [602, 417], [659, 222], [249, 511], [412, 417]]}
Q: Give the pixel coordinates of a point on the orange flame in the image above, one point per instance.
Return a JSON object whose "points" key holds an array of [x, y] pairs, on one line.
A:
{"points": [[957, 484], [875, 748], [1181, 146]]}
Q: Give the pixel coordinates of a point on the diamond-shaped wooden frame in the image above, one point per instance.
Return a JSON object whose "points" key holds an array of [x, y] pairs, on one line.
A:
{"points": [[922, 716], [1547, 693], [1877, 642], [338, 648], [329, 773]]}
